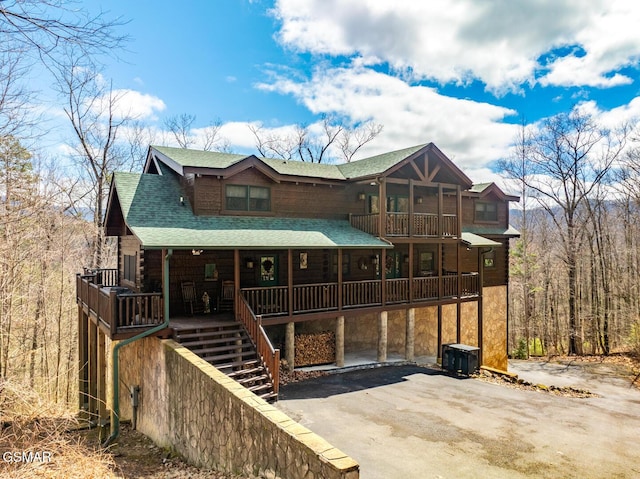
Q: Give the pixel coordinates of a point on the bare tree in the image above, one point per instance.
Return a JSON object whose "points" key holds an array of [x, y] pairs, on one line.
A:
{"points": [[208, 138], [354, 139], [314, 145], [517, 168], [44, 26], [92, 109], [571, 155]]}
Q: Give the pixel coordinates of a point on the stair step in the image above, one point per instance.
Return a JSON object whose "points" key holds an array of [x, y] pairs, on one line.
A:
{"points": [[180, 335], [246, 362], [260, 387], [220, 349], [269, 396], [243, 372], [252, 379], [210, 342], [220, 357]]}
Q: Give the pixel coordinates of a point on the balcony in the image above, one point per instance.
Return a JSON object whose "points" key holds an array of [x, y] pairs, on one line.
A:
{"points": [[322, 297], [122, 313], [421, 225], [119, 311]]}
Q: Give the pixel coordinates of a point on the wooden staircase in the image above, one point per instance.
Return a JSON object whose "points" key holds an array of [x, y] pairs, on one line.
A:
{"points": [[227, 346]]}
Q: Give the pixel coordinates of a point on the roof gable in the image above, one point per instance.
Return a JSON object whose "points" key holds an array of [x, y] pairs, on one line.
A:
{"points": [[486, 190], [421, 162]]}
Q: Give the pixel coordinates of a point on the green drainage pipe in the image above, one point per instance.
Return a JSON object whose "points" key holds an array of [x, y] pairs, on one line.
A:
{"points": [[115, 410]]}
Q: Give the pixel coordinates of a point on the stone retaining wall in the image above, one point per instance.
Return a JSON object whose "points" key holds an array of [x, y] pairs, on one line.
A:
{"points": [[189, 406]]}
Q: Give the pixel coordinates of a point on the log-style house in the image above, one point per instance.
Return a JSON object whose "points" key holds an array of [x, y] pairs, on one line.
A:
{"points": [[396, 254]]}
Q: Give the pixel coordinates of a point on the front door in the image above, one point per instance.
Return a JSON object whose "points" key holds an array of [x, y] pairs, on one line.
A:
{"points": [[268, 271], [392, 268]]}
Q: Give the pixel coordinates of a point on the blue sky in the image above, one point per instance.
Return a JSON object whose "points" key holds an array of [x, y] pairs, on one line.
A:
{"points": [[459, 73]]}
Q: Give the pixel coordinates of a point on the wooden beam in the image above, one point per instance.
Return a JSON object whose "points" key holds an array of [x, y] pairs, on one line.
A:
{"points": [[417, 170], [433, 173]]}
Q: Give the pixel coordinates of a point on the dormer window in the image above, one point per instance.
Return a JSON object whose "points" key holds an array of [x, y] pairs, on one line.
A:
{"points": [[248, 198], [486, 212]]}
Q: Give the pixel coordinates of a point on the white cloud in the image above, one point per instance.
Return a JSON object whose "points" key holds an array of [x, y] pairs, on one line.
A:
{"points": [[499, 43], [471, 133], [132, 103]]}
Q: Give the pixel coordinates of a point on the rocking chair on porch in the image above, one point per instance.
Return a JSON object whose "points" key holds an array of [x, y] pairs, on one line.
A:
{"points": [[227, 296], [190, 299]]}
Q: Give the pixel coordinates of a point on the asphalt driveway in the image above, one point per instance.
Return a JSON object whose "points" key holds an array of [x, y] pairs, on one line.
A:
{"points": [[412, 422]]}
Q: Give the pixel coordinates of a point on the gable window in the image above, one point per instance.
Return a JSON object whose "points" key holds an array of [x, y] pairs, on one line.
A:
{"points": [[486, 211], [248, 198]]}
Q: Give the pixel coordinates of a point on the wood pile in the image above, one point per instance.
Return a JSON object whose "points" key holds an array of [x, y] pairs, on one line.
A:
{"points": [[316, 348]]}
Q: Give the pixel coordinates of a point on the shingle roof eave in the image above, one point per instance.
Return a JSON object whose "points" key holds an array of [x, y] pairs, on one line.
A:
{"points": [[153, 211]]}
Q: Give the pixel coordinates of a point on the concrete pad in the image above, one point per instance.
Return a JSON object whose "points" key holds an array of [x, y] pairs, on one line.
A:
{"points": [[413, 422]]}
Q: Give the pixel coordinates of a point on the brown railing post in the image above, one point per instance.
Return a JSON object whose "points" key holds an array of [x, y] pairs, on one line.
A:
{"points": [[113, 320]]}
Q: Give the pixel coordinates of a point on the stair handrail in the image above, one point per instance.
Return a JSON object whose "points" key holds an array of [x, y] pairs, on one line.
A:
{"points": [[253, 324]]}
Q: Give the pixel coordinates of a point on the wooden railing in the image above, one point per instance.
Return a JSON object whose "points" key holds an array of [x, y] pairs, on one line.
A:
{"points": [[315, 297], [397, 224], [367, 223], [268, 301], [449, 225], [103, 276], [118, 309], [308, 298], [397, 290], [425, 224], [425, 288], [253, 324], [361, 293]]}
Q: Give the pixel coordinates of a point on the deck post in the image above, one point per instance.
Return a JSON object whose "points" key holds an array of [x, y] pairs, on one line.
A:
{"points": [[382, 337], [409, 351], [340, 342], [101, 366], [290, 345], [92, 389], [83, 358]]}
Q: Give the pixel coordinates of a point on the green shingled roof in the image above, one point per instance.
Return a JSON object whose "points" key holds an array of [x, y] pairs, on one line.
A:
{"points": [[372, 166], [491, 230], [152, 210], [376, 164], [197, 158]]}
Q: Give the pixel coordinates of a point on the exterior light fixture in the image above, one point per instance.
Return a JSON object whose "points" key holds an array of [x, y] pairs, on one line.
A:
{"points": [[419, 200], [361, 196], [196, 252]]}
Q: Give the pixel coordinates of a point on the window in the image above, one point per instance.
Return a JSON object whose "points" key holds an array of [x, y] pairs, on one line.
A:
{"points": [[486, 211], [490, 259], [395, 204], [130, 267], [248, 198], [345, 263], [426, 263]]}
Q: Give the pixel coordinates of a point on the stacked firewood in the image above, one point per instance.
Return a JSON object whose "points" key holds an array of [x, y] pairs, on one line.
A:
{"points": [[316, 348]]}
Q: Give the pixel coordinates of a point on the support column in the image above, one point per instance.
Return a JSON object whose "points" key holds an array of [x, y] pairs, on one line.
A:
{"points": [[340, 342], [83, 359], [92, 335], [382, 337], [102, 373], [409, 351], [290, 345]]}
